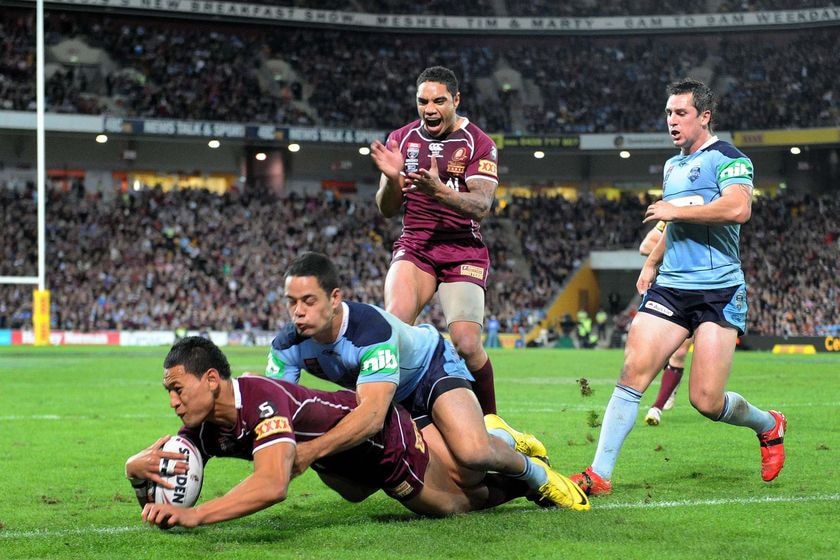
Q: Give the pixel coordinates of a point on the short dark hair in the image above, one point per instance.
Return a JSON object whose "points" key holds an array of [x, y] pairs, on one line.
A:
{"points": [[318, 265], [440, 75], [197, 354], [703, 96]]}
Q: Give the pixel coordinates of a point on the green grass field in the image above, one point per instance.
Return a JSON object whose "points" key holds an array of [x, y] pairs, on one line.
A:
{"points": [[689, 488]]}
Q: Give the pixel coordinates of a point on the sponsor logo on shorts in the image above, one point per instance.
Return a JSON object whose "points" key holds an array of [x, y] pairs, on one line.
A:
{"points": [[487, 166], [659, 308], [402, 490], [271, 426], [472, 271], [740, 299]]}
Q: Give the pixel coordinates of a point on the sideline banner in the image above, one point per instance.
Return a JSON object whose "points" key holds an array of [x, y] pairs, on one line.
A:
{"points": [[791, 344], [412, 23], [58, 338]]}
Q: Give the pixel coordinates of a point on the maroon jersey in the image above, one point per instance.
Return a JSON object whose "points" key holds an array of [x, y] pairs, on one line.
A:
{"points": [[270, 411], [463, 154]]}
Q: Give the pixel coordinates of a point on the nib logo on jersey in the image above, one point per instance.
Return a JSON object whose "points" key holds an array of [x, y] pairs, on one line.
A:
{"points": [[381, 359]]}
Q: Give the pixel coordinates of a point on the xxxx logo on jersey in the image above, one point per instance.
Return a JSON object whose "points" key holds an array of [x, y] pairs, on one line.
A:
{"points": [[271, 426]]}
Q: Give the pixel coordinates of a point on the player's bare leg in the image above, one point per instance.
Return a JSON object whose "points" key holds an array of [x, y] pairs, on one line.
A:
{"points": [[670, 380], [457, 415], [447, 487], [714, 347], [463, 306], [466, 337], [407, 290], [650, 342], [347, 489]]}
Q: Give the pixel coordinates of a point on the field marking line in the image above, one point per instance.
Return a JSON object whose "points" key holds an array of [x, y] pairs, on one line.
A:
{"points": [[8, 535], [723, 502]]}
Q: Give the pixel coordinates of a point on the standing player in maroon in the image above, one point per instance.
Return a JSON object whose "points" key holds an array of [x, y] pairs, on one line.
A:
{"points": [[443, 169]]}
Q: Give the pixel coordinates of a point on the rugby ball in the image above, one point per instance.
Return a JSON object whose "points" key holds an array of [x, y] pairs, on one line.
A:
{"points": [[187, 485]]}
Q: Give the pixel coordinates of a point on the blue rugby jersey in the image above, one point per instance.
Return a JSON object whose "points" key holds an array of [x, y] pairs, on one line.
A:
{"points": [[373, 345], [703, 256]]}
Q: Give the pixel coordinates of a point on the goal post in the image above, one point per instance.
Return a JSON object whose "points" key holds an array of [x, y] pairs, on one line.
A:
{"points": [[40, 296]]}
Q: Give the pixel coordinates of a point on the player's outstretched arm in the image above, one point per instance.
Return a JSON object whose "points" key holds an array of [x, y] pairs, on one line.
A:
{"points": [[362, 422], [266, 486]]}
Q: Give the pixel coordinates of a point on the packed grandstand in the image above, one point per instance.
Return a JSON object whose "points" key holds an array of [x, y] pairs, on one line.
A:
{"points": [[151, 259]]}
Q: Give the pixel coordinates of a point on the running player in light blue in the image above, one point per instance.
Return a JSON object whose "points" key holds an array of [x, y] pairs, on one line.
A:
{"points": [[699, 289], [365, 348]]}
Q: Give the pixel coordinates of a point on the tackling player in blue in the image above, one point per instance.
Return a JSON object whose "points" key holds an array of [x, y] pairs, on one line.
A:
{"points": [[365, 348], [698, 290]]}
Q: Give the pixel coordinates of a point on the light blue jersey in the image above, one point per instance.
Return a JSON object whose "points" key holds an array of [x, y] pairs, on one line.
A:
{"points": [[702, 257], [372, 345]]}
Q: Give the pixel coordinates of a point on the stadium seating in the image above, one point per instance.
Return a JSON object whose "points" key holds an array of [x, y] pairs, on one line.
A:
{"points": [[199, 260], [222, 271], [228, 72]]}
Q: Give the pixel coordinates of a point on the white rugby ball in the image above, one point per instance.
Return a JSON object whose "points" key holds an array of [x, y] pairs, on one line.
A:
{"points": [[187, 485]]}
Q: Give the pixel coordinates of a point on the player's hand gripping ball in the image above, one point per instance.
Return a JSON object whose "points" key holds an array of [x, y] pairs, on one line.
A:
{"points": [[188, 485]]}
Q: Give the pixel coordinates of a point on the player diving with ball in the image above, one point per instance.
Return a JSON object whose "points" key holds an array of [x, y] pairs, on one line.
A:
{"points": [[261, 419]]}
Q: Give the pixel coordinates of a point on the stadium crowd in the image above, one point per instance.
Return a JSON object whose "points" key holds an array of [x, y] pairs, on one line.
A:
{"points": [[218, 71], [159, 260], [221, 271]]}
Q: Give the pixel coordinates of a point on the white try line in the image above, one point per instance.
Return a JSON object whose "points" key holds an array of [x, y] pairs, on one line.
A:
{"points": [[721, 502], [48, 534]]}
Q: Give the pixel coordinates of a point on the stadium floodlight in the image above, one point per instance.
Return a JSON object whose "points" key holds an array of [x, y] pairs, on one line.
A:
{"points": [[364, 150], [539, 154], [294, 148], [260, 156], [795, 150], [624, 154], [101, 138], [214, 144]]}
